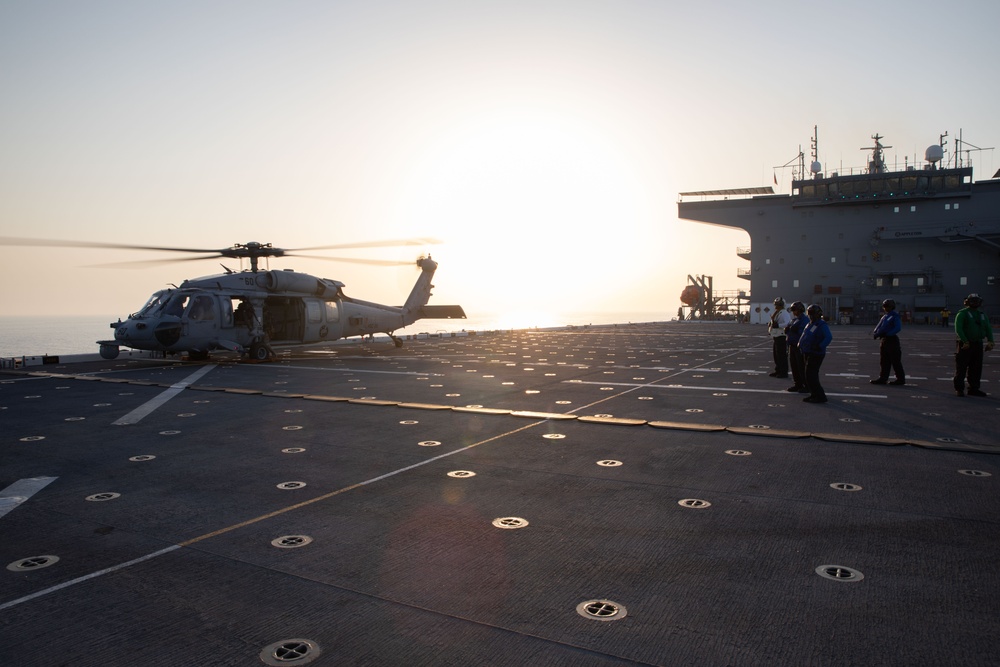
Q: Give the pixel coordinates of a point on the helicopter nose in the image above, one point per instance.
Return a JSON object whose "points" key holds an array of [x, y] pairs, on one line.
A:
{"points": [[167, 333], [132, 331]]}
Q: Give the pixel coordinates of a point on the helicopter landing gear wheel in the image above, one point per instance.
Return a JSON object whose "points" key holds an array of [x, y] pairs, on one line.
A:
{"points": [[397, 341], [109, 352], [259, 352]]}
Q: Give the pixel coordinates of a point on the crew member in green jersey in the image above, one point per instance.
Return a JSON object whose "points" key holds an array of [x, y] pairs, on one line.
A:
{"points": [[971, 327]]}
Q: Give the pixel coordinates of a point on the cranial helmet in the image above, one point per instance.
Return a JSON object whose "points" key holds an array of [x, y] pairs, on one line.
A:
{"points": [[799, 306], [889, 304], [779, 303], [814, 310], [973, 301]]}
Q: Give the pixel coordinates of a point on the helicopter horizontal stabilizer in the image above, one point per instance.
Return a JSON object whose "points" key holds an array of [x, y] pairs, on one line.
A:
{"points": [[442, 312]]}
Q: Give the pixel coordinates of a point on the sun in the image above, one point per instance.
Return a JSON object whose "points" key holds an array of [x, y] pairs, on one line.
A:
{"points": [[526, 191]]}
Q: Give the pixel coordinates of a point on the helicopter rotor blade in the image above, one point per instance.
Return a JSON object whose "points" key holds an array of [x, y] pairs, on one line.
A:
{"points": [[375, 244], [355, 260], [55, 243], [252, 251], [143, 263]]}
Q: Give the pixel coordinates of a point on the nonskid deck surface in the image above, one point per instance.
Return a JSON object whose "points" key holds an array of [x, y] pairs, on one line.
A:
{"points": [[638, 494]]}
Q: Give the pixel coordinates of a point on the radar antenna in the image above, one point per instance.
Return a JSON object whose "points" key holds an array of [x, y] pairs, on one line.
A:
{"points": [[816, 167], [959, 149], [877, 164]]}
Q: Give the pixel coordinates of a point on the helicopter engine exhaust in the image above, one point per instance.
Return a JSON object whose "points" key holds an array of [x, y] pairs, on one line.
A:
{"points": [[289, 281]]}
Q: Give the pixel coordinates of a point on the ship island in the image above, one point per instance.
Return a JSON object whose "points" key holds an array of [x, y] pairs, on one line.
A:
{"points": [[925, 236]]}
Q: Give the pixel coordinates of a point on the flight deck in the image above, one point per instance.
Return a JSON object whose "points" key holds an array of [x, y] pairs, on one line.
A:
{"points": [[609, 495]]}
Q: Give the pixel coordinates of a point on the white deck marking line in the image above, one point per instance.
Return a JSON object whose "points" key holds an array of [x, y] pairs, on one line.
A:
{"points": [[699, 388], [147, 408], [353, 370], [187, 543], [86, 577], [20, 491], [645, 385]]}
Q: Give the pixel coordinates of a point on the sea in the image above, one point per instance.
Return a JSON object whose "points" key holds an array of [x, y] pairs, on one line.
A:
{"points": [[26, 336]]}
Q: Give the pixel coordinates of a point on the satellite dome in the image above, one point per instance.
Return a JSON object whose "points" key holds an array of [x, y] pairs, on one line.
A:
{"points": [[934, 154], [816, 167]]}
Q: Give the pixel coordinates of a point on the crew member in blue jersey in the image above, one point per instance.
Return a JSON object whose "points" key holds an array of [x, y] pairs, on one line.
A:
{"points": [[890, 354], [815, 338], [793, 332], [971, 327]]}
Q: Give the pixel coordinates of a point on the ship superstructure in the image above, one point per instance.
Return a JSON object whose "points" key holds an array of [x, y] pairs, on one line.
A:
{"points": [[926, 236]]}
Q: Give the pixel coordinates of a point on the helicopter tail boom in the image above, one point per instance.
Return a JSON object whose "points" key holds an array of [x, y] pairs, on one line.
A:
{"points": [[416, 306]]}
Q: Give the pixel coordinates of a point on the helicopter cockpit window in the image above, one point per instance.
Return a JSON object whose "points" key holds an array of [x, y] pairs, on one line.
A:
{"points": [[175, 306], [157, 301], [202, 308]]}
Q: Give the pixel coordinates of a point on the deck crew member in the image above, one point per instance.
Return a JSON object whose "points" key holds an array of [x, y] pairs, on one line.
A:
{"points": [[971, 327], [793, 333], [779, 347], [890, 352], [815, 338]]}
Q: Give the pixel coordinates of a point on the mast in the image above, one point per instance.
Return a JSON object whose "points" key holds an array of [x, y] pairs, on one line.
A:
{"points": [[877, 163]]}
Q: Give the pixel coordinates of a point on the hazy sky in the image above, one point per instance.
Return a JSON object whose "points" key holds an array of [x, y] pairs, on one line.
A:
{"points": [[544, 142]]}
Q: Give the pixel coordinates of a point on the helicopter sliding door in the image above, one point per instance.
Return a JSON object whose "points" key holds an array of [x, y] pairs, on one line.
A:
{"points": [[284, 319], [322, 320], [201, 322]]}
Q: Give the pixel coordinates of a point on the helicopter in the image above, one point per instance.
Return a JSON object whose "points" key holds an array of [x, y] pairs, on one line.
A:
{"points": [[251, 310]]}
